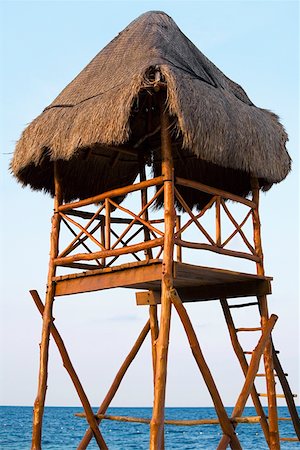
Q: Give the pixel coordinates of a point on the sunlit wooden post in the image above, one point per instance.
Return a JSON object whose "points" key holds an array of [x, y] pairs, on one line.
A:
{"points": [[47, 318], [157, 422], [263, 306], [218, 221]]}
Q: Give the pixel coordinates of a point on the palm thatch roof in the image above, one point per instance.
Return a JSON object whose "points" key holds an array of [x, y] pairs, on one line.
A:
{"points": [[219, 136]]}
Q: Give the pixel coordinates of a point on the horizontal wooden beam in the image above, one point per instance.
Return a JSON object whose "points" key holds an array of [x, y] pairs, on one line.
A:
{"points": [[210, 292], [215, 249], [214, 191], [249, 419], [113, 193], [101, 217], [106, 279], [108, 253]]}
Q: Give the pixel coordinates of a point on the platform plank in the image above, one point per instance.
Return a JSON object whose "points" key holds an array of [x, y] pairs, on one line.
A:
{"points": [[194, 283]]}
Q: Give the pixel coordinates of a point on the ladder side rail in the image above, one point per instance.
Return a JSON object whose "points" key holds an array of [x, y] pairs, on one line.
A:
{"points": [[244, 365], [288, 393]]}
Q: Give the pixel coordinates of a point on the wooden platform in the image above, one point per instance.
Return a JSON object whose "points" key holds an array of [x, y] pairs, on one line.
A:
{"points": [[193, 283]]}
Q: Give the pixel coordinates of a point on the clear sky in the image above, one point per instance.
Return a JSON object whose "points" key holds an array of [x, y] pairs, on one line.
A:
{"points": [[44, 44]]}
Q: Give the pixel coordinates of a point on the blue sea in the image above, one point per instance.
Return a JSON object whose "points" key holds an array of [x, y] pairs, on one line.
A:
{"points": [[62, 430]]}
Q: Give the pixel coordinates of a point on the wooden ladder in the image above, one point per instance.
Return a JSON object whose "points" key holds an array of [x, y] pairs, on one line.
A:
{"points": [[279, 373]]}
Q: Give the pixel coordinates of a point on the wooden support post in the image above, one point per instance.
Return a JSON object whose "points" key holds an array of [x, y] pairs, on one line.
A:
{"points": [[71, 371], [102, 236], [107, 223], [47, 318], [178, 247], [225, 423], [244, 365], [157, 422], [263, 307], [218, 221], [144, 201], [287, 393], [251, 374], [116, 383], [154, 335]]}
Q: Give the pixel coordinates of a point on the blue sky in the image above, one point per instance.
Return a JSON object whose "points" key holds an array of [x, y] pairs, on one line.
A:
{"points": [[44, 44]]}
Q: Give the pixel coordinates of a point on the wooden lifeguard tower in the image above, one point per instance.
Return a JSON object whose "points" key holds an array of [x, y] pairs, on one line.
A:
{"points": [[150, 98]]}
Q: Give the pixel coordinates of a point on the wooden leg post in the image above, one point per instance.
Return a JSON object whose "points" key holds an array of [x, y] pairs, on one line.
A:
{"points": [[116, 383], [263, 307], [47, 320], [225, 423], [154, 335], [71, 371], [157, 422], [270, 379]]}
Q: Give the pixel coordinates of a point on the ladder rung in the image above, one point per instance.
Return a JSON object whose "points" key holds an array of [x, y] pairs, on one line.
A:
{"points": [[285, 418], [277, 395], [275, 375], [289, 439], [248, 329], [250, 353], [242, 305]]}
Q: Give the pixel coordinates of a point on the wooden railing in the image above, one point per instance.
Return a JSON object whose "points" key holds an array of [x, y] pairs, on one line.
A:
{"points": [[214, 243], [140, 233], [111, 243]]}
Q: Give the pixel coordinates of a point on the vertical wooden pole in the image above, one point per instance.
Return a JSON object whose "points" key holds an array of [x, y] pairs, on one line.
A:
{"points": [[157, 422], [107, 224], [263, 306], [154, 335], [218, 221], [178, 247], [102, 237], [47, 318], [144, 201]]}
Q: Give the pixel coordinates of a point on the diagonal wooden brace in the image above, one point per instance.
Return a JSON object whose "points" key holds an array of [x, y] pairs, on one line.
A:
{"points": [[251, 374], [225, 423], [71, 371], [116, 383]]}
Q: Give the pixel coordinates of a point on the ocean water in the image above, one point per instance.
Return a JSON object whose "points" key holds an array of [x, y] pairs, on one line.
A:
{"points": [[63, 431]]}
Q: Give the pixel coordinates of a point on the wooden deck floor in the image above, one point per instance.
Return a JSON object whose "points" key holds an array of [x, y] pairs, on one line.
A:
{"points": [[194, 283]]}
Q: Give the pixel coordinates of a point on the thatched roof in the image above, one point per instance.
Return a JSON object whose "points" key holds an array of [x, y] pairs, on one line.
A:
{"points": [[219, 136]]}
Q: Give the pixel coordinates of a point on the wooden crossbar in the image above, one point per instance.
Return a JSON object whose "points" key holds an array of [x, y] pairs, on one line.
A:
{"points": [[113, 193], [83, 231], [194, 220], [238, 227], [214, 191], [180, 423], [214, 248], [80, 241], [277, 395], [107, 253], [243, 305], [289, 439]]}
